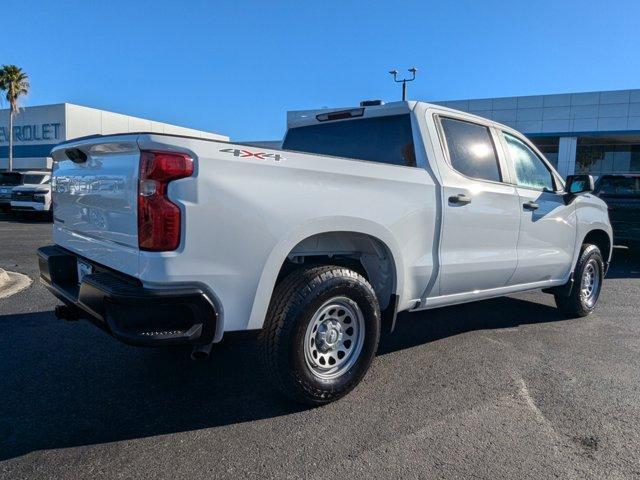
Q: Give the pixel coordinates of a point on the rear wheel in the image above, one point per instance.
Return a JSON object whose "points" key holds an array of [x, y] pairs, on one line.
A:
{"points": [[588, 277], [321, 333]]}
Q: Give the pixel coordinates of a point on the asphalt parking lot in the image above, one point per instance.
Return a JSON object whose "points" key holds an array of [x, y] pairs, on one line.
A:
{"points": [[499, 389]]}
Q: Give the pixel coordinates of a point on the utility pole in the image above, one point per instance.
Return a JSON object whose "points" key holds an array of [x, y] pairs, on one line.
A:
{"points": [[404, 81]]}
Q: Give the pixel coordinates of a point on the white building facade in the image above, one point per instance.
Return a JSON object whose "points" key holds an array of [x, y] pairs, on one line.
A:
{"points": [[36, 130], [590, 132]]}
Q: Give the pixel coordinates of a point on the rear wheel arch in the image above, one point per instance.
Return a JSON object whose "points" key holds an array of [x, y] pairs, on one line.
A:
{"points": [[361, 252], [280, 255]]}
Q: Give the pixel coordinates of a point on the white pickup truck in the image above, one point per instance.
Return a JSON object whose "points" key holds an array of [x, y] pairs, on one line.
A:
{"points": [[364, 213], [34, 194]]}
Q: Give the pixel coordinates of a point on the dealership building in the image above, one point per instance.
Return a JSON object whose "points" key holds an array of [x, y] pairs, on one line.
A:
{"points": [[36, 130], [589, 132]]}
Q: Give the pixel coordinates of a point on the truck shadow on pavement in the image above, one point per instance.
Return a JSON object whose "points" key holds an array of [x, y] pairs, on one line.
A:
{"points": [[67, 385], [25, 217], [413, 329]]}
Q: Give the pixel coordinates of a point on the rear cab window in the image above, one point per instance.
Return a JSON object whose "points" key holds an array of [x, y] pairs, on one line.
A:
{"points": [[386, 139]]}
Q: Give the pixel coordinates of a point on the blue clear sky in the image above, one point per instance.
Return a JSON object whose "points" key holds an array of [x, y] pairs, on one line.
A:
{"points": [[235, 67]]}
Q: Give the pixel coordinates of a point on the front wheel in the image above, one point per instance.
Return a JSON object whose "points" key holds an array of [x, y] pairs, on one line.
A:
{"points": [[588, 277], [321, 333]]}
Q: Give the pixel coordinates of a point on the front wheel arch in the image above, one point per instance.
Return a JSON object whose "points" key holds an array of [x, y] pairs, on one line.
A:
{"points": [[602, 240], [569, 298]]}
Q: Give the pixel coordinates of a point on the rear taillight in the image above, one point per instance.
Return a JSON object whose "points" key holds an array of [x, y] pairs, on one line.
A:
{"points": [[158, 217]]}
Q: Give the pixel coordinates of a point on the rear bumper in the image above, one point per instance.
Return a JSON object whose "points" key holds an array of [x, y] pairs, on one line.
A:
{"points": [[121, 306]]}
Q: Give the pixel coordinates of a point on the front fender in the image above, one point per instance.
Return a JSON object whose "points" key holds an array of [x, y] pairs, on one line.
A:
{"points": [[591, 214]]}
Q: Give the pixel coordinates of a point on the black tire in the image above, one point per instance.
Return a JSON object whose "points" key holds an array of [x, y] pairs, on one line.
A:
{"points": [[575, 304], [295, 304]]}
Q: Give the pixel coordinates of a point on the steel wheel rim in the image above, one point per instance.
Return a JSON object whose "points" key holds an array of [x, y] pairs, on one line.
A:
{"points": [[334, 338], [590, 283]]}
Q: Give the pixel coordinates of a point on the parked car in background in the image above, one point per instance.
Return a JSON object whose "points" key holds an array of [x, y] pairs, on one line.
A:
{"points": [[8, 180], [34, 195], [621, 193], [367, 212]]}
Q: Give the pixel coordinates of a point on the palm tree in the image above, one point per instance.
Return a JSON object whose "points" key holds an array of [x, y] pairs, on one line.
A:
{"points": [[15, 83]]}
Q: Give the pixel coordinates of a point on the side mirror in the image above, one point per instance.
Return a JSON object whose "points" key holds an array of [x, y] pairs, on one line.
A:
{"points": [[579, 184]]}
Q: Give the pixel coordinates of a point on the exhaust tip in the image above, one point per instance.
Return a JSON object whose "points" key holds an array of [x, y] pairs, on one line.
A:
{"points": [[202, 352]]}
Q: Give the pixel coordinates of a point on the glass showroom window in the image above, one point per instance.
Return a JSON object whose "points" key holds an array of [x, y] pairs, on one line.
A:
{"points": [[608, 154]]}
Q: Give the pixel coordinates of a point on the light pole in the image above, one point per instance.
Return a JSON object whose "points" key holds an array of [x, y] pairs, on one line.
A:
{"points": [[404, 81]]}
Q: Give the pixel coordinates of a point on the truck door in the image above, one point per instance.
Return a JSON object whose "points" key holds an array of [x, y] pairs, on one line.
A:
{"points": [[481, 215], [548, 227]]}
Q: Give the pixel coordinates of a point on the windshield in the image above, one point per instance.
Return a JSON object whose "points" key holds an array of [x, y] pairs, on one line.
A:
{"points": [[35, 179], [619, 186], [10, 178]]}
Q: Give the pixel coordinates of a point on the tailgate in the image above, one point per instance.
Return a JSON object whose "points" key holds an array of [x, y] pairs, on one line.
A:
{"points": [[95, 190]]}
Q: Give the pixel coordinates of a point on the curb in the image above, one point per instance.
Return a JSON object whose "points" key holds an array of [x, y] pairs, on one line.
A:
{"points": [[12, 282]]}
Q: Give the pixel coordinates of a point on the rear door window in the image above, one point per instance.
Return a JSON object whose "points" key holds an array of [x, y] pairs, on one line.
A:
{"points": [[471, 149], [379, 139]]}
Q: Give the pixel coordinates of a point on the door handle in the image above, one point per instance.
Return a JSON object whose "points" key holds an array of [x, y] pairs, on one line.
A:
{"points": [[530, 206], [460, 199]]}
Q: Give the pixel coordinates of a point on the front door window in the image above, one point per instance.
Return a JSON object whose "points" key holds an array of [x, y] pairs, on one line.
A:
{"points": [[531, 172]]}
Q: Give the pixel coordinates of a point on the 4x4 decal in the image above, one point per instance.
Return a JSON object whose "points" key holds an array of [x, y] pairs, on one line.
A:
{"points": [[246, 153]]}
